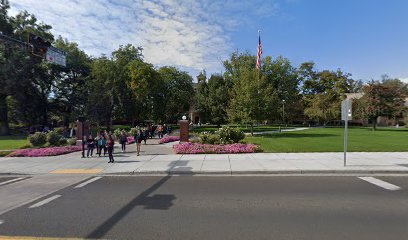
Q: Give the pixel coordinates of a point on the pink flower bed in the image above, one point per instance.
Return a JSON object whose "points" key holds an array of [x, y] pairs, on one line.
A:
{"points": [[196, 148], [130, 140], [42, 152], [169, 139]]}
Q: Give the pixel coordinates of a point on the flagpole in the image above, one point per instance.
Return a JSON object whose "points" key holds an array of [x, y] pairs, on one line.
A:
{"points": [[259, 69]]}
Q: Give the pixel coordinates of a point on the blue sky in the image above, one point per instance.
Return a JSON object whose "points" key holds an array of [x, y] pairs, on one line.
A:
{"points": [[367, 38]]}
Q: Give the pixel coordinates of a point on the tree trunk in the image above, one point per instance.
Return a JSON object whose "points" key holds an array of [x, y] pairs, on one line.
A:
{"points": [[374, 124], [4, 124], [252, 129]]}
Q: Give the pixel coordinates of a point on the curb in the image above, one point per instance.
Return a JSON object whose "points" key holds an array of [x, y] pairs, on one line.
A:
{"points": [[238, 173]]}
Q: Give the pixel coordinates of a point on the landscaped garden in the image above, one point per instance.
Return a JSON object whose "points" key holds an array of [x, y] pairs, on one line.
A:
{"points": [[331, 140], [37, 145]]}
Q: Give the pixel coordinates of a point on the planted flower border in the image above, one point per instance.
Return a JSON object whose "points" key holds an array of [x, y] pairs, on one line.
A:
{"points": [[43, 152], [169, 139], [199, 148]]}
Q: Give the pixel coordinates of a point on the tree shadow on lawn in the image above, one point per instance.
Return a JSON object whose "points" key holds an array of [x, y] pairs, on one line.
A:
{"points": [[298, 135]]}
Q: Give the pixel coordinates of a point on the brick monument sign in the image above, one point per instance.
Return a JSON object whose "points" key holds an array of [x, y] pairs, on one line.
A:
{"points": [[183, 130]]}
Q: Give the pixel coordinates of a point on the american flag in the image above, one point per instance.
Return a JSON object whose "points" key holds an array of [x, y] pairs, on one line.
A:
{"points": [[258, 58]]}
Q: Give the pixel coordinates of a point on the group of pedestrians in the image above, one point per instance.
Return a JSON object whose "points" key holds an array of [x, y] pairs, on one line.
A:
{"points": [[103, 141]]}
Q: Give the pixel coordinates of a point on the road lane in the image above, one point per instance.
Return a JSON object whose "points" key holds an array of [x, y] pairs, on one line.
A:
{"points": [[218, 208]]}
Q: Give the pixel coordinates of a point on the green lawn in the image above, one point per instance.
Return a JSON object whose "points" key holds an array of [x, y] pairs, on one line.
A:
{"points": [[212, 128], [331, 140], [12, 142]]}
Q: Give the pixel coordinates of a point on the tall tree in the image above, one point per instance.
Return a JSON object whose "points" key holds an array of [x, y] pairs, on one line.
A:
{"points": [[69, 88], [252, 98], [323, 92], [23, 76], [381, 100], [218, 99], [201, 97], [178, 92]]}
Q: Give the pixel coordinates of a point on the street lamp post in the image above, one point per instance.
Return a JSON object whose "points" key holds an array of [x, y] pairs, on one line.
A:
{"points": [[283, 109], [81, 119]]}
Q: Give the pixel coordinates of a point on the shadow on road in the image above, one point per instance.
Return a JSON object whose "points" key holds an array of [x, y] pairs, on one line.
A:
{"points": [[158, 201]]}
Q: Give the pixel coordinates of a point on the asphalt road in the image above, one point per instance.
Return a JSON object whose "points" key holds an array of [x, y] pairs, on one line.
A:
{"points": [[197, 207]]}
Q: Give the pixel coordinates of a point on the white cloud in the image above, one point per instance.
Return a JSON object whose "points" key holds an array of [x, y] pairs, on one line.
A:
{"points": [[189, 34], [404, 79]]}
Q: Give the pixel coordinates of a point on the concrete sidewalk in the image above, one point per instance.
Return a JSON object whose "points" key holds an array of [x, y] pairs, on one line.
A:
{"points": [[160, 159]]}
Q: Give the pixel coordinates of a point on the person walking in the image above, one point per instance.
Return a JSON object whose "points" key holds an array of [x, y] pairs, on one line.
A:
{"points": [[138, 139], [90, 144], [123, 140], [110, 144], [151, 129], [97, 139], [102, 145], [145, 135], [160, 131]]}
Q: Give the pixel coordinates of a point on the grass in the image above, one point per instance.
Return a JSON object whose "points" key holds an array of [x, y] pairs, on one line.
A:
{"points": [[12, 142], [212, 128], [331, 140]]}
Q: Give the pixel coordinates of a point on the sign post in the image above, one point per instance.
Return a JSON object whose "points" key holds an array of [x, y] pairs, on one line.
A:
{"points": [[345, 116]]}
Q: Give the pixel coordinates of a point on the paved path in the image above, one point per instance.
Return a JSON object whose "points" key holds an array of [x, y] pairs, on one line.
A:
{"points": [[160, 159], [277, 131]]}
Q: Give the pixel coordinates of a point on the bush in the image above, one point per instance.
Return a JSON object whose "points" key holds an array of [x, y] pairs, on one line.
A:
{"points": [[225, 135], [132, 131], [59, 130], [63, 141], [38, 139], [117, 132], [230, 135], [72, 141], [53, 138]]}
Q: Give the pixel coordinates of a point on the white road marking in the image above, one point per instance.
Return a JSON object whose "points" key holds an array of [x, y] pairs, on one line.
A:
{"points": [[381, 183], [10, 181], [87, 182], [45, 201]]}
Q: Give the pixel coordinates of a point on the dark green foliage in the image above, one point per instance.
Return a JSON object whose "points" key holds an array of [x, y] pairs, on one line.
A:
{"points": [[63, 141], [229, 135], [53, 138], [38, 139], [224, 135], [71, 141]]}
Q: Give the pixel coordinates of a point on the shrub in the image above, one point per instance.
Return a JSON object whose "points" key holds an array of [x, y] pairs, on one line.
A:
{"points": [[53, 138], [132, 131], [63, 141], [59, 130], [225, 135], [117, 132], [72, 141], [38, 139], [230, 135]]}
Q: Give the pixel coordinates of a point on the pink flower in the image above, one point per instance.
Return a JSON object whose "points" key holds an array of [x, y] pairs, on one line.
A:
{"points": [[42, 152], [169, 139], [130, 140], [196, 148]]}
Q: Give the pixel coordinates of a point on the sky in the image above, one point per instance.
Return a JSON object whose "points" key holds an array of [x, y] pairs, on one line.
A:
{"points": [[367, 38]]}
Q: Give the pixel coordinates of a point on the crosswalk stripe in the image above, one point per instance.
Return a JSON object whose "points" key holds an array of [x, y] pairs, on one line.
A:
{"points": [[45, 201], [12, 180], [87, 182], [380, 183]]}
